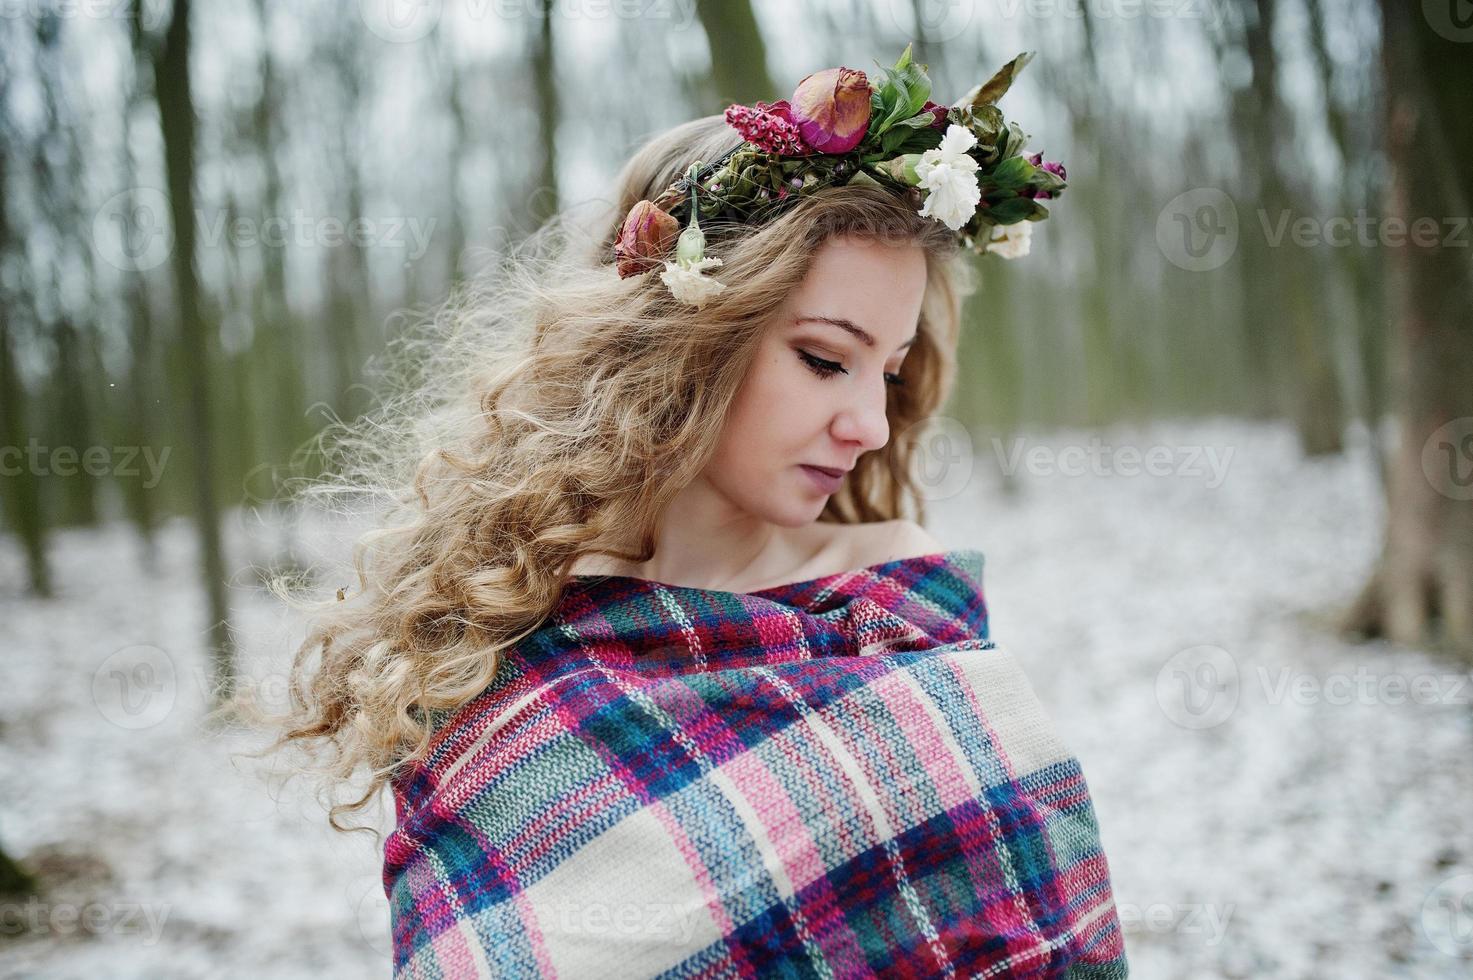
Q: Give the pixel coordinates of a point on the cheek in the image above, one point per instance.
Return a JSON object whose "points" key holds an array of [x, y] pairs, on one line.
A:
{"points": [[776, 412]]}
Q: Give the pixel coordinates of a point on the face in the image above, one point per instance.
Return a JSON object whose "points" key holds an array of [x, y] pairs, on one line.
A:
{"points": [[816, 392]]}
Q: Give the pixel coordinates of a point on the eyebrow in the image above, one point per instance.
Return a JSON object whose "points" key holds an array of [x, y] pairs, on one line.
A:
{"points": [[849, 325]]}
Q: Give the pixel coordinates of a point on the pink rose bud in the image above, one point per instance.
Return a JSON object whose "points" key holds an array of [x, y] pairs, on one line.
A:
{"points": [[831, 108], [644, 239]]}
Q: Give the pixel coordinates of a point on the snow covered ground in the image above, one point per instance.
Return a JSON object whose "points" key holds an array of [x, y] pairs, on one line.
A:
{"points": [[1274, 802]]}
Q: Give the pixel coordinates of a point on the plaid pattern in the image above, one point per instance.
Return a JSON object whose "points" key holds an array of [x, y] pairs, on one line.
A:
{"points": [[841, 777]]}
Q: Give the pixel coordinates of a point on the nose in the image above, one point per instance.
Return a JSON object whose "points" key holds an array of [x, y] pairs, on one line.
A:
{"points": [[862, 420]]}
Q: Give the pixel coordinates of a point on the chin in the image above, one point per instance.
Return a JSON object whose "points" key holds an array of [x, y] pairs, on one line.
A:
{"points": [[795, 514]]}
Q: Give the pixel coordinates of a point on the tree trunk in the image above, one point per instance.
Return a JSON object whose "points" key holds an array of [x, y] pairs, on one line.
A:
{"points": [[544, 198], [738, 54], [176, 116], [1282, 300], [1422, 589], [142, 378], [14, 880], [278, 339], [21, 498]]}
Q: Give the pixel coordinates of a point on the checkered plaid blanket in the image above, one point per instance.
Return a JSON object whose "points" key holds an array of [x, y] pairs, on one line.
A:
{"points": [[841, 777]]}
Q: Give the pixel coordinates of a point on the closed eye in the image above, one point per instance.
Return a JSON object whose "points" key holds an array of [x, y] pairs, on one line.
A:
{"points": [[827, 369]]}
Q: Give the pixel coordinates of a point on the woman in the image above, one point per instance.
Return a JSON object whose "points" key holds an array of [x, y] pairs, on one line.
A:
{"points": [[663, 680]]}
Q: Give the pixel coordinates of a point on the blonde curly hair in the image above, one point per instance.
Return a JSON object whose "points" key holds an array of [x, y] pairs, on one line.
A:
{"points": [[550, 411]]}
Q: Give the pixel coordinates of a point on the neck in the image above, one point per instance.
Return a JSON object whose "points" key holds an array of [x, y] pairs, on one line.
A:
{"points": [[706, 541]]}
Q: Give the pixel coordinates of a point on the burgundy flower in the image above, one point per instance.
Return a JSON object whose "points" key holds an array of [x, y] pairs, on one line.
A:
{"points": [[768, 126], [644, 239], [832, 109], [939, 111], [780, 108]]}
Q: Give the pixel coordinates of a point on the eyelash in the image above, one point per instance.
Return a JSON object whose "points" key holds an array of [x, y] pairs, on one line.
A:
{"points": [[827, 369]]}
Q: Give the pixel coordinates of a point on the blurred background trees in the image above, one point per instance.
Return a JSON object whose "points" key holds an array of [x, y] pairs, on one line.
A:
{"points": [[215, 214]]}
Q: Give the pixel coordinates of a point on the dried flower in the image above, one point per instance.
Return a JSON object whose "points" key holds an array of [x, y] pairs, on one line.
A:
{"points": [[832, 109], [644, 239], [768, 127]]}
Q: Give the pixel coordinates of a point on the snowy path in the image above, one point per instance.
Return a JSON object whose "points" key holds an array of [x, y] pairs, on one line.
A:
{"points": [[1273, 812]]}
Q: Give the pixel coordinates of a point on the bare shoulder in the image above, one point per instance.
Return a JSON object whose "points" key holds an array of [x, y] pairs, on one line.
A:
{"points": [[882, 541]]}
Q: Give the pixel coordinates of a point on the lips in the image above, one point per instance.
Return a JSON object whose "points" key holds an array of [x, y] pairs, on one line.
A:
{"points": [[825, 479]]}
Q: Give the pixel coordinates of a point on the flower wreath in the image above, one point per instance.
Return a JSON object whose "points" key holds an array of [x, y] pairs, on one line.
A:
{"points": [[963, 165]]}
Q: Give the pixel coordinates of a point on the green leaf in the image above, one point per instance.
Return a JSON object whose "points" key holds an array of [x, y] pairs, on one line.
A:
{"points": [[900, 84], [1012, 210], [903, 91], [1013, 173], [918, 88], [921, 120], [908, 139], [1011, 141], [1046, 181], [996, 87], [985, 122]]}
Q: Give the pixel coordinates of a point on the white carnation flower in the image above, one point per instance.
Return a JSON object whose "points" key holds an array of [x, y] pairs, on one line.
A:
{"points": [[1010, 241], [688, 285], [949, 174]]}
